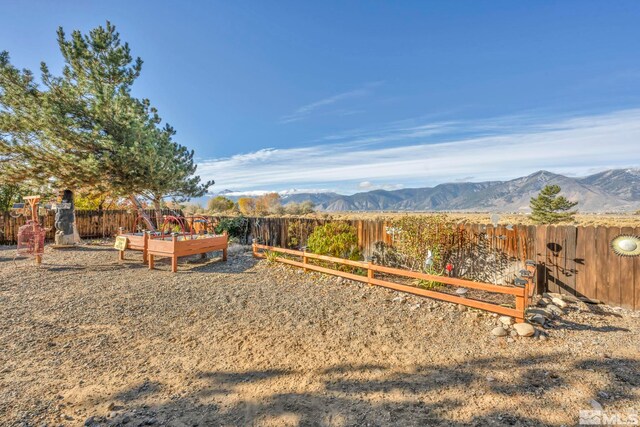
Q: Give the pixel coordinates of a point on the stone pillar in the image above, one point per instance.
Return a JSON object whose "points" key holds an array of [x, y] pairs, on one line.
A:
{"points": [[65, 219]]}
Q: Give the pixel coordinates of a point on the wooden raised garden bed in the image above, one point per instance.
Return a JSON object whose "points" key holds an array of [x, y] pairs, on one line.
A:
{"points": [[175, 246], [135, 242]]}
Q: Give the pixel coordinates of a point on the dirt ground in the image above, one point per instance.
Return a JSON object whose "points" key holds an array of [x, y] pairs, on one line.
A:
{"points": [[86, 340]]}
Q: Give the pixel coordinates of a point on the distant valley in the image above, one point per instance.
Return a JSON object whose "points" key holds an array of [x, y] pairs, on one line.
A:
{"points": [[616, 190]]}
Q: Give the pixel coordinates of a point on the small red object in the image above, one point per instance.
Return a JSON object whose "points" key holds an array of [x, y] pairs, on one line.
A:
{"points": [[31, 239], [449, 267]]}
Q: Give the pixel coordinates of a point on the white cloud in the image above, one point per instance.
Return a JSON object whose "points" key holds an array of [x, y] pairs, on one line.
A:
{"points": [[306, 110], [499, 148], [256, 193]]}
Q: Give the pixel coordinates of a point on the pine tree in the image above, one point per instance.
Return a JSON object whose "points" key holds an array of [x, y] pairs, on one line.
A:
{"points": [[549, 208], [84, 130]]}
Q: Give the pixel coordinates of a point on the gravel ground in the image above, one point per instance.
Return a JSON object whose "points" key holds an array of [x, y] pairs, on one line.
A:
{"points": [[86, 340]]}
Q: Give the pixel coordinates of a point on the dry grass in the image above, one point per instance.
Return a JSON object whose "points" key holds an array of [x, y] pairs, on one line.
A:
{"points": [[618, 220]]}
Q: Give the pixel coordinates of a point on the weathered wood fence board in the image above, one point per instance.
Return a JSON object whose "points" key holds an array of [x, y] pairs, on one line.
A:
{"points": [[573, 260], [90, 224]]}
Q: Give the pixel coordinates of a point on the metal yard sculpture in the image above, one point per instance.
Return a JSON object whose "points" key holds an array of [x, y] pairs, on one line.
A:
{"points": [[31, 235]]}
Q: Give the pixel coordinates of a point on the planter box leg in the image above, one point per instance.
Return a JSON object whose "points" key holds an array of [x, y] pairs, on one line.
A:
{"points": [[174, 264], [121, 255], [224, 254], [151, 264]]}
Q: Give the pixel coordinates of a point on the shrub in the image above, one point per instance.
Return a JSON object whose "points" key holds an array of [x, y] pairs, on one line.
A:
{"points": [[271, 257], [220, 204], [247, 205], [303, 208], [267, 204], [235, 227], [419, 235], [297, 232], [386, 255], [337, 239]]}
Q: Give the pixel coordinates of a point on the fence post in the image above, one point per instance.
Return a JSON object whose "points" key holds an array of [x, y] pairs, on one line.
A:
{"points": [[254, 248], [520, 307], [369, 273], [304, 260]]}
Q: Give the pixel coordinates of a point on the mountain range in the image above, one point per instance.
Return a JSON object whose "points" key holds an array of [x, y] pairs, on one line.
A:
{"points": [[616, 190]]}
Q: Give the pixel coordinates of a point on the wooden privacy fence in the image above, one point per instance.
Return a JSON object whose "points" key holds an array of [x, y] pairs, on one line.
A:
{"points": [[522, 294], [574, 260], [91, 224]]}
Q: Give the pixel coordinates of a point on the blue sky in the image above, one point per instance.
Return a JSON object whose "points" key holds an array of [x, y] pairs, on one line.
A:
{"points": [[352, 96]]}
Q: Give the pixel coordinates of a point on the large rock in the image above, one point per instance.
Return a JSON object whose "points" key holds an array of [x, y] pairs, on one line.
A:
{"points": [[538, 318], [557, 311], [499, 332], [559, 302], [524, 329]]}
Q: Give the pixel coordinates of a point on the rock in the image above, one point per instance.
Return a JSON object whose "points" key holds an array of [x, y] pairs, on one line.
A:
{"points": [[506, 320], [126, 419], [414, 307], [398, 299], [570, 298], [490, 379], [545, 312], [462, 291], [498, 331], [462, 307], [544, 301], [557, 311], [538, 318], [542, 337], [510, 339], [513, 333], [89, 421], [524, 329], [595, 405], [559, 302]]}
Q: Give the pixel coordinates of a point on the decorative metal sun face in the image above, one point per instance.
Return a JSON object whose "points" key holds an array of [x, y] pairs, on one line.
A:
{"points": [[626, 245]]}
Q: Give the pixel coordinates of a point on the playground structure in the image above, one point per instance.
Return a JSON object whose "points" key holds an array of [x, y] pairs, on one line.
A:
{"points": [[176, 237]]}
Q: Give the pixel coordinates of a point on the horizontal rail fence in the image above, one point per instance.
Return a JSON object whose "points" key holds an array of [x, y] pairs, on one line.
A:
{"points": [[570, 260], [91, 224], [521, 294]]}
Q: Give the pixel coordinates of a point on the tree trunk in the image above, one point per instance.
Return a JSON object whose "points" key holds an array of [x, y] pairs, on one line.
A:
{"points": [[158, 208], [142, 213]]}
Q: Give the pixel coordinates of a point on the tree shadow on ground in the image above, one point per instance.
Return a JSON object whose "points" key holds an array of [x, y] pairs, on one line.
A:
{"points": [[376, 394]]}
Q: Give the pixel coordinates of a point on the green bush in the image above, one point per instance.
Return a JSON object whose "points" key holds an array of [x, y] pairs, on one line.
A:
{"points": [[337, 239], [235, 227]]}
